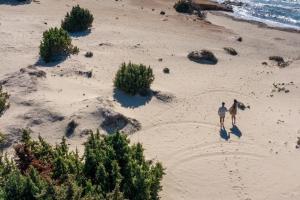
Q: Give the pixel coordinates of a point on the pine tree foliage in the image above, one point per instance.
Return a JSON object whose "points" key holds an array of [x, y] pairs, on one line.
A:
{"points": [[56, 43], [79, 19], [110, 169], [134, 78]]}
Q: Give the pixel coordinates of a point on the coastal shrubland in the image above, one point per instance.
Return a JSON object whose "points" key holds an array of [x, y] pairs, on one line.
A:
{"points": [[79, 19], [56, 43], [134, 78], [110, 168]]}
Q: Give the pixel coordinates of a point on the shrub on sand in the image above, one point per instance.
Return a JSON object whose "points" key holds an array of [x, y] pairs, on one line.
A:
{"points": [[56, 43], [79, 19], [134, 78]]}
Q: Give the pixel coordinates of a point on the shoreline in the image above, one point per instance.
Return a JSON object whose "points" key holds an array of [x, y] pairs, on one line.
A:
{"points": [[258, 23], [254, 22]]}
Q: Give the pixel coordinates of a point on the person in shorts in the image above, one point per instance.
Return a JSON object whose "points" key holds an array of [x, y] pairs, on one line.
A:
{"points": [[222, 112]]}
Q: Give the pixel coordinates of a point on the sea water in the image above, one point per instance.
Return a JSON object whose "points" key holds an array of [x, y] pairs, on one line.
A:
{"points": [[283, 13]]}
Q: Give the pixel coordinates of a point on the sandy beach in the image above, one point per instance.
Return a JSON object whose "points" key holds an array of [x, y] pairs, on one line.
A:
{"points": [[255, 160]]}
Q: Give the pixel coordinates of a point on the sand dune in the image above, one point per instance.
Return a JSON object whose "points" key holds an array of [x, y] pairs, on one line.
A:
{"points": [[257, 161]]}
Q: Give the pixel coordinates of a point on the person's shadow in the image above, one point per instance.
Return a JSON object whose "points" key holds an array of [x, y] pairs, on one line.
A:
{"points": [[223, 134], [236, 131]]}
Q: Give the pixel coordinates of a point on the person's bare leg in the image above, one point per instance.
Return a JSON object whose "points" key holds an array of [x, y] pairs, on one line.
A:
{"points": [[223, 122]]}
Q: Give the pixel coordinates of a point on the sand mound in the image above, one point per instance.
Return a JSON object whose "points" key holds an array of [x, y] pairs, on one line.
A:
{"points": [[13, 136], [24, 80], [38, 116], [113, 121]]}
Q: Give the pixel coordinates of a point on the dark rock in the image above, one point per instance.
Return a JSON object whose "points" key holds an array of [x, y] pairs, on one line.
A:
{"points": [[164, 97], [279, 60], [188, 6], [87, 74], [203, 57], [162, 12], [105, 44], [233, 3], [183, 6], [89, 54], [166, 70], [231, 51], [264, 63], [239, 39]]}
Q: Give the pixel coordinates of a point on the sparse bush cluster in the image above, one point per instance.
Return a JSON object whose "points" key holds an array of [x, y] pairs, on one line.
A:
{"points": [[134, 78], [56, 43], [3, 101], [78, 19], [110, 169]]}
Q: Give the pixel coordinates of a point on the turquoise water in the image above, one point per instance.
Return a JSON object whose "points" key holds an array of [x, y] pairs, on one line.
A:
{"points": [[284, 13]]}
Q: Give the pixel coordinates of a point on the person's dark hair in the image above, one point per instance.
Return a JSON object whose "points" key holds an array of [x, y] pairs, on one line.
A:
{"points": [[235, 102], [223, 103]]}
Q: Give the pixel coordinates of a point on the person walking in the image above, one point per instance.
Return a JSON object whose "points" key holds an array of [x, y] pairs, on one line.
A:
{"points": [[233, 111], [222, 112]]}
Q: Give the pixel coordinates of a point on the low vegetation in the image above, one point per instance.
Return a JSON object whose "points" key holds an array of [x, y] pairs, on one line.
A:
{"points": [[134, 78], [3, 101], [79, 19], [56, 44], [110, 169]]}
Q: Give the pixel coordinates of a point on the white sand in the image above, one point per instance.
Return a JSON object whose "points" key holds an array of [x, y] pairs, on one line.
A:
{"points": [[184, 134]]}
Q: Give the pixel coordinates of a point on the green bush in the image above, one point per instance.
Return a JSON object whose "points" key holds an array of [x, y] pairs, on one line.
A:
{"points": [[110, 169], [183, 6], [56, 43], [133, 78], [3, 101], [78, 19]]}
